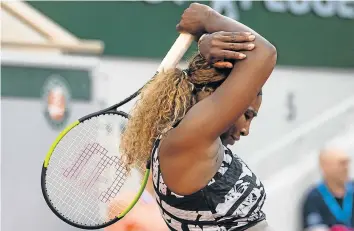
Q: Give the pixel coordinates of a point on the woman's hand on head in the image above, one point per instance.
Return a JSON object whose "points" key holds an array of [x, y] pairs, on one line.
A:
{"points": [[220, 46], [193, 19]]}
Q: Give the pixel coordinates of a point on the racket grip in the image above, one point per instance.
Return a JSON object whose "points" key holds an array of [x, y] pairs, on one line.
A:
{"points": [[175, 54]]}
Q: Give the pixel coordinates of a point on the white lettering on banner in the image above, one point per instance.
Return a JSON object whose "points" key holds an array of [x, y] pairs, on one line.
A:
{"points": [[246, 5], [345, 10], [275, 6], [228, 8], [324, 9], [178, 2], [299, 7], [153, 1]]}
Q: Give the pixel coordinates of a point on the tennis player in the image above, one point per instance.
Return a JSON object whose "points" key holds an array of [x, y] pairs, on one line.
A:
{"points": [[145, 215], [185, 119]]}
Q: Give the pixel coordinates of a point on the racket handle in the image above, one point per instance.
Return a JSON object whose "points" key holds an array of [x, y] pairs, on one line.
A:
{"points": [[175, 54]]}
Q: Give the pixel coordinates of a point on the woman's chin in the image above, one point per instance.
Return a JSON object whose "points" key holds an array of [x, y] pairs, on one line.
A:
{"points": [[228, 141]]}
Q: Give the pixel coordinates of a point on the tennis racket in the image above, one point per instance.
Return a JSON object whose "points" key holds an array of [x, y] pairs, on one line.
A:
{"points": [[84, 181]]}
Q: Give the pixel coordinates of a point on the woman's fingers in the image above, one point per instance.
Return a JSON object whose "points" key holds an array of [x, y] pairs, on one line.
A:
{"points": [[225, 54], [222, 65], [236, 37], [237, 46]]}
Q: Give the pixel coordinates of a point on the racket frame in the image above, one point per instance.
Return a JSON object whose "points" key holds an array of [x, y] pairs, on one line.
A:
{"points": [[50, 152]]}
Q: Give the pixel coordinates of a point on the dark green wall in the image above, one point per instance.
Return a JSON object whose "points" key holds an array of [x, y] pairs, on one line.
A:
{"points": [[140, 29], [29, 82]]}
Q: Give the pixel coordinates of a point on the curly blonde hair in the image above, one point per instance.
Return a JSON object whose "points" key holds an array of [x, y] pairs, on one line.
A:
{"points": [[163, 102]]}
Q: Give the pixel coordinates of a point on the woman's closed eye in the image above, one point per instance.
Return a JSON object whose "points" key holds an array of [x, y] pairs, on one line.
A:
{"points": [[250, 114]]}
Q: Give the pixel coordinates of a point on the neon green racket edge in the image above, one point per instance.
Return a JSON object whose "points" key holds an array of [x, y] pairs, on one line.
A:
{"points": [[83, 176]]}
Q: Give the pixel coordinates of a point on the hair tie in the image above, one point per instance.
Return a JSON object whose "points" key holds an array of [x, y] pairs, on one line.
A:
{"points": [[185, 74]]}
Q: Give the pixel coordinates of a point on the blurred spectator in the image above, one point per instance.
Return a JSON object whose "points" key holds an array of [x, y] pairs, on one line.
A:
{"points": [[144, 216], [329, 205]]}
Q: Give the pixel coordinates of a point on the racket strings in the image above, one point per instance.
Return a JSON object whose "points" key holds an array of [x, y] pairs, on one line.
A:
{"points": [[86, 175], [68, 195]]}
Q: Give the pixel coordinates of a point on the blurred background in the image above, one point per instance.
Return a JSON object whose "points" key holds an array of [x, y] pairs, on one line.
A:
{"points": [[63, 60]]}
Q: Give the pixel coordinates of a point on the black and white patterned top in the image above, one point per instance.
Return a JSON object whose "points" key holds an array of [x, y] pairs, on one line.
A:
{"points": [[232, 200]]}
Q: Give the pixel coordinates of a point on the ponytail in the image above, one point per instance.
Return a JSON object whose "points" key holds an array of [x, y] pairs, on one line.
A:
{"points": [[163, 102]]}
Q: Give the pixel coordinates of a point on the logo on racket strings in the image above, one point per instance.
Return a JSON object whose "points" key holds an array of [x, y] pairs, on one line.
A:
{"points": [[86, 173], [56, 96]]}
